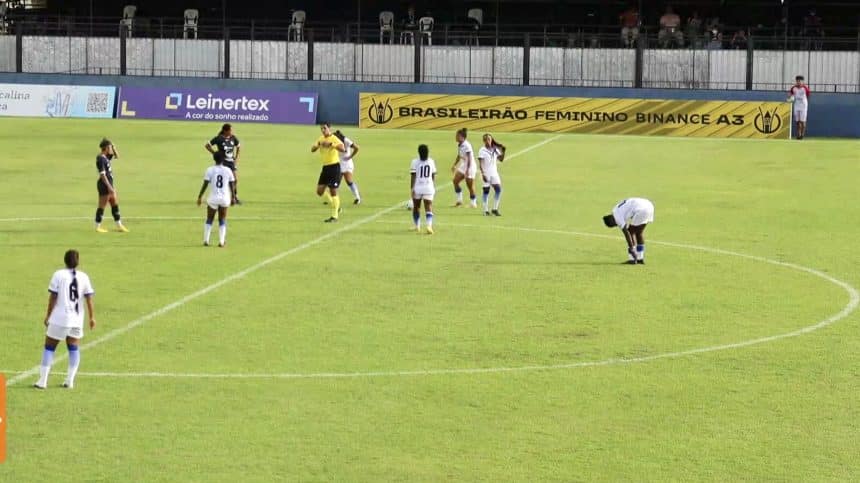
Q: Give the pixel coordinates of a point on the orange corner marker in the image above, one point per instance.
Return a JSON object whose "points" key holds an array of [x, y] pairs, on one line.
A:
{"points": [[2, 418]]}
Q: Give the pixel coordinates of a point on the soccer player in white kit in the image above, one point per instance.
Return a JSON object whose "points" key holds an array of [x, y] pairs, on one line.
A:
{"points": [[488, 156], [65, 318], [423, 186], [799, 95], [347, 166], [220, 197], [632, 216], [464, 168]]}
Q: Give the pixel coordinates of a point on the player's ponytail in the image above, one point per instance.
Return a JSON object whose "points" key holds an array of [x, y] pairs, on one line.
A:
{"points": [[339, 135], [226, 127]]}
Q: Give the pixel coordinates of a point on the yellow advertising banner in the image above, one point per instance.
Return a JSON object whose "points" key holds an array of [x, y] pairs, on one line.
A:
{"points": [[650, 117]]}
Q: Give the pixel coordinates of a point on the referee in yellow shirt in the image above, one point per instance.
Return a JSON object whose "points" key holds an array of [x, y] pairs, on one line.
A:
{"points": [[329, 146]]}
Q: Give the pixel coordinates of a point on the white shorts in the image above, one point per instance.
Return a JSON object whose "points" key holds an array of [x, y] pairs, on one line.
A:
{"points": [[492, 179], [424, 195], [218, 203], [60, 333], [800, 114], [347, 166], [473, 170], [643, 215]]}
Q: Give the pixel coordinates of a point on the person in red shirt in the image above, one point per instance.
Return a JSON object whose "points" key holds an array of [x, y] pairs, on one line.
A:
{"points": [[629, 26]]}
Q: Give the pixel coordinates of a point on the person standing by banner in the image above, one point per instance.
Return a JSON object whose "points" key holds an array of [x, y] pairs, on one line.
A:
{"points": [[799, 95]]}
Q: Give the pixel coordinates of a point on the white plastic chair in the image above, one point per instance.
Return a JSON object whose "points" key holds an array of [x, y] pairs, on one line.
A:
{"points": [[192, 16], [297, 27], [386, 26], [127, 22], [425, 28], [477, 16]]}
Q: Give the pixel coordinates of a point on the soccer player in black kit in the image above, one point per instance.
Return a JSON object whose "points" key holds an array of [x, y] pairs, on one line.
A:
{"points": [[106, 188], [228, 144]]}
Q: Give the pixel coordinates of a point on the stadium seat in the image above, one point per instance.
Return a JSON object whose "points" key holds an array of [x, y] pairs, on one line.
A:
{"points": [[127, 22], [297, 27], [191, 18], [386, 26], [476, 15], [425, 28]]}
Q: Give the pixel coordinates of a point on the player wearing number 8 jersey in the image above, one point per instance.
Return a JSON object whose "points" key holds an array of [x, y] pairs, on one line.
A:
{"points": [[221, 196], [65, 317]]}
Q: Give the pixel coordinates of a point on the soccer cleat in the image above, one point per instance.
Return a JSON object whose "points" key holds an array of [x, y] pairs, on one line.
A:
{"points": [[40, 387], [473, 205], [458, 204], [221, 245], [238, 201], [330, 219], [205, 244], [486, 213], [429, 230], [357, 201], [630, 262], [640, 262], [121, 228], [99, 229], [68, 385], [496, 213]]}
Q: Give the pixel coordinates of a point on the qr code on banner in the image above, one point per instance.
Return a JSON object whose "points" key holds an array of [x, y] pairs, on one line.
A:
{"points": [[97, 103]]}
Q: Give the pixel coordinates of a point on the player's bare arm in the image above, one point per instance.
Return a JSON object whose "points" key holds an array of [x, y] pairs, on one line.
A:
{"points": [[232, 191], [340, 148], [236, 156], [203, 190], [106, 181], [208, 147], [412, 185], [354, 152], [91, 309], [52, 301], [315, 147], [114, 151]]}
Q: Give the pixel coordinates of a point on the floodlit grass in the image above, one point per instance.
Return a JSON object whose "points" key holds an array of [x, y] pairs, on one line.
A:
{"points": [[331, 361]]}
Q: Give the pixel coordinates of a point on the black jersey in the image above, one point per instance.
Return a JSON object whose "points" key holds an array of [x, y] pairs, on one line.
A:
{"points": [[103, 165], [227, 146]]}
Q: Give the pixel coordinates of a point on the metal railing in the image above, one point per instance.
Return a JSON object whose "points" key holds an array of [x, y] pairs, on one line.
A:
{"points": [[575, 58]]}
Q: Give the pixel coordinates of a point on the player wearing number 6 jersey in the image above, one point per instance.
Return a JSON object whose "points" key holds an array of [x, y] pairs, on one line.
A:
{"points": [[65, 318], [220, 197], [423, 185], [632, 216]]}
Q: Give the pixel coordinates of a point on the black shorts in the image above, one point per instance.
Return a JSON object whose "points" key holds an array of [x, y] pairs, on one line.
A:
{"points": [[230, 164], [102, 187], [330, 175]]}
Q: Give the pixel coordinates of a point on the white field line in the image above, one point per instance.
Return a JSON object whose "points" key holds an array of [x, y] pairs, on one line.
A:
{"points": [[238, 275], [851, 306], [126, 218]]}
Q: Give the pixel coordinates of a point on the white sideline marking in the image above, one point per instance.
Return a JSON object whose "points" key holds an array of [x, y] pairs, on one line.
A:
{"points": [[853, 293], [188, 298], [126, 218]]}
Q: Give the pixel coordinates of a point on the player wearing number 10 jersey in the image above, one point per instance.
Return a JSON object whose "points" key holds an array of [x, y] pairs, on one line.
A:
{"points": [[65, 318], [220, 197], [423, 184]]}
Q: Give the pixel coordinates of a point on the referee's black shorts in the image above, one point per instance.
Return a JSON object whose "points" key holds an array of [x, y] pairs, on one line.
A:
{"points": [[330, 176]]}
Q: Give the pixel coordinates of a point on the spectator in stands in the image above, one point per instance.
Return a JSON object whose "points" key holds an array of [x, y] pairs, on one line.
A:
{"points": [[410, 21], [670, 29], [629, 26], [740, 40], [812, 29], [694, 30], [714, 35]]}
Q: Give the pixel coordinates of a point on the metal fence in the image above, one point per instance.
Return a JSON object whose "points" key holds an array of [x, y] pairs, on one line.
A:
{"points": [[470, 62]]}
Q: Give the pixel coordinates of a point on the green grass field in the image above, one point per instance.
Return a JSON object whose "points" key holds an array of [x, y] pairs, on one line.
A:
{"points": [[500, 349]]}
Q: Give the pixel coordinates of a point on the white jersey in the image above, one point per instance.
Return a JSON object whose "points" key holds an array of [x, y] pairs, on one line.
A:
{"points": [[219, 178], [633, 212], [424, 172], [801, 96], [70, 287], [347, 146], [488, 157]]}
